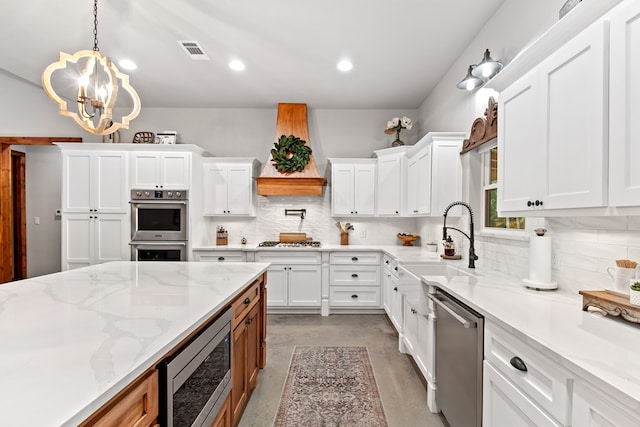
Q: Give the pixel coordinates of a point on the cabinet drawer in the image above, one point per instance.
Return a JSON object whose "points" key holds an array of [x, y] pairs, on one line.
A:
{"points": [[545, 382], [288, 257], [343, 296], [219, 256], [372, 258], [347, 275], [245, 302]]}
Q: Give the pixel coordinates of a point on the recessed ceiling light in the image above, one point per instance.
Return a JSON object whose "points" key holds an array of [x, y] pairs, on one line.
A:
{"points": [[345, 65], [237, 65], [127, 64]]}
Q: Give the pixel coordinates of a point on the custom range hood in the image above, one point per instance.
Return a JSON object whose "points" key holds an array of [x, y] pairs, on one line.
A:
{"points": [[292, 120]]}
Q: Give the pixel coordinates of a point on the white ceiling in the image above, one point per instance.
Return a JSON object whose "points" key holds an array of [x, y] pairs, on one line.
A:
{"points": [[400, 48]]}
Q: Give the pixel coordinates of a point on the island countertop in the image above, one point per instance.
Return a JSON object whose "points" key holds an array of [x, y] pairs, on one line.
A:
{"points": [[70, 341]]}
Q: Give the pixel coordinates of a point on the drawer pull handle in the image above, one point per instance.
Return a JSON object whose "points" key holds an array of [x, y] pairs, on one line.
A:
{"points": [[517, 363], [220, 258], [354, 275], [354, 296], [247, 300], [355, 258]]}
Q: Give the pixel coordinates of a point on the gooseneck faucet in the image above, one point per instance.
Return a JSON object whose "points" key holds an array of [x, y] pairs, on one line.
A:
{"points": [[472, 250]]}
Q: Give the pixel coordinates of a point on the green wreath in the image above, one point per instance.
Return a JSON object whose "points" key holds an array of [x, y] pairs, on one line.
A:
{"points": [[290, 154]]}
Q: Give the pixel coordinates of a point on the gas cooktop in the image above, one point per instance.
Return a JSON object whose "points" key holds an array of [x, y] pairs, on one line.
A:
{"points": [[278, 244]]}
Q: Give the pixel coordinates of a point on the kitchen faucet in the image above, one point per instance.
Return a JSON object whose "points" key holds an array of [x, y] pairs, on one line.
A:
{"points": [[472, 250]]}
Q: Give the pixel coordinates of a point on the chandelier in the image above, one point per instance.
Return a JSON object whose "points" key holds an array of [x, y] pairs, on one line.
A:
{"points": [[91, 80]]}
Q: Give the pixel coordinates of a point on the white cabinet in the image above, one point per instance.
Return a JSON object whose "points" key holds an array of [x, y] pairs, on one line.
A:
{"points": [[353, 187], [94, 181], [219, 256], [624, 106], [167, 170], [229, 187], [294, 279], [390, 187], [433, 174], [392, 299], [89, 239], [354, 280], [552, 135], [593, 408]]}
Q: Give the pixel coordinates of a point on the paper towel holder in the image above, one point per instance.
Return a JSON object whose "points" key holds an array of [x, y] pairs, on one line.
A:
{"points": [[538, 285]]}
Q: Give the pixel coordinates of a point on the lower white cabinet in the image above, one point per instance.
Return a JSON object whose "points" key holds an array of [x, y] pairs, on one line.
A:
{"points": [[89, 239], [294, 279], [504, 405], [592, 408], [418, 332], [354, 280], [391, 297], [219, 256]]}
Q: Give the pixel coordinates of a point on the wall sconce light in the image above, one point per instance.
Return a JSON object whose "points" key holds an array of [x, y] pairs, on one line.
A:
{"points": [[479, 74], [93, 86]]}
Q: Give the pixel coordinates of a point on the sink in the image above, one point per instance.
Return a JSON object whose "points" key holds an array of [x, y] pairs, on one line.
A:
{"points": [[435, 269]]}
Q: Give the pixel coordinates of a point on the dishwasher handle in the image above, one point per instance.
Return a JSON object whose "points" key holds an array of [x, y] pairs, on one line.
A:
{"points": [[465, 322]]}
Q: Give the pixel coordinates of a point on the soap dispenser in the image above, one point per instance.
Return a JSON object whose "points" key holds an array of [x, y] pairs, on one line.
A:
{"points": [[449, 247]]}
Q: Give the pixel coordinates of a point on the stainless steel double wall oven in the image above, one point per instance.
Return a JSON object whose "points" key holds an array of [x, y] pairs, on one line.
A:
{"points": [[159, 220]]}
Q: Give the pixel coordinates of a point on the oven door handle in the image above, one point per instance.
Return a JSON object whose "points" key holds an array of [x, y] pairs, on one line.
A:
{"points": [[465, 322], [158, 243], [158, 202]]}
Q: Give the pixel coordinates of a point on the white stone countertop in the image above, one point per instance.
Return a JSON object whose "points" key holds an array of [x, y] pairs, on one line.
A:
{"points": [[70, 341], [603, 350]]}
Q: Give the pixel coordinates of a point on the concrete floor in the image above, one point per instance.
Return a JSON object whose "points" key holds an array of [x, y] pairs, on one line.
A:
{"points": [[403, 395]]}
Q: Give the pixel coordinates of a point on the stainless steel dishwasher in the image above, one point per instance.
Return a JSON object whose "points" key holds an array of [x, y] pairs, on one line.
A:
{"points": [[459, 352]]}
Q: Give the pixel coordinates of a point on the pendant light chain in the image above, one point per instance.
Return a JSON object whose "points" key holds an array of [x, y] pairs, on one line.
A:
{"points": [[95, 26]]}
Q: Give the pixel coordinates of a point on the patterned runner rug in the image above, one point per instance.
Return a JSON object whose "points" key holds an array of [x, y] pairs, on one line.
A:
{"points": [[330, 387]]}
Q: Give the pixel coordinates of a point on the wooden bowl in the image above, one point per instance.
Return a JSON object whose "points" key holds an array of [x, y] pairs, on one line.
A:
{"points": [[408, 239]]}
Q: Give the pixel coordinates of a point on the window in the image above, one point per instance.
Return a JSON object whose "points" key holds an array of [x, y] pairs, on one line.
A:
{"points": [[490, 195]]}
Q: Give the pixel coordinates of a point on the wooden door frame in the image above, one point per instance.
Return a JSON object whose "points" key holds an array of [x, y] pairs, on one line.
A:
{"points": [[6, 197], [19, 215]]}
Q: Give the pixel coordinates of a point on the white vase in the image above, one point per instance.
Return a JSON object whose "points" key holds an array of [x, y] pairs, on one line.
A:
{"points": [[634, 297]]}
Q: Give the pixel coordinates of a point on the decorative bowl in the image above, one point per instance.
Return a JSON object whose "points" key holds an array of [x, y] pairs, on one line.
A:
{"points": [[408, 239]]}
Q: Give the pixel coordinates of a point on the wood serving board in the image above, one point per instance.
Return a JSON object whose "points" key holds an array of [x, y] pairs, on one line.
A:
{"points": [[612, 303], [456, 256]]}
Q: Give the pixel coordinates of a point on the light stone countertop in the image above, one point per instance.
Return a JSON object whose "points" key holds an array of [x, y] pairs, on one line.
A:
{"points": [[70, 341], [603, 350]]}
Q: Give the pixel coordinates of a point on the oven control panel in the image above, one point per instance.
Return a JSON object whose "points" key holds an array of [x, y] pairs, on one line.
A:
{"points": [[159, 195]]}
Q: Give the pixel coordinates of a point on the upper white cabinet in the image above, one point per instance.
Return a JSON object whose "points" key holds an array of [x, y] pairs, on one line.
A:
{"points": [[94, 181], [552, 135], [228, 187], [167, 170], [433, 173], [353, 184], [389, 182], [624, 110]]}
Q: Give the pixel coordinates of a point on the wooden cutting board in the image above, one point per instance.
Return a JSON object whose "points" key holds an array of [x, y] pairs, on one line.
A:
{"points": [[294, 237]]}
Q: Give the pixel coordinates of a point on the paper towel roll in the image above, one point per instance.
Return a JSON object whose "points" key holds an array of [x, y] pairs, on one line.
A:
{"points": [[540, 264]]}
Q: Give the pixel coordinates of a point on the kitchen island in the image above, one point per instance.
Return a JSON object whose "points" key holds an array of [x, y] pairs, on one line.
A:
{"points": [[71, 341]]}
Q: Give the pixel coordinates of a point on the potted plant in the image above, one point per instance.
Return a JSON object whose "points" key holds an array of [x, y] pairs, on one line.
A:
{"points": [[634, 292]]}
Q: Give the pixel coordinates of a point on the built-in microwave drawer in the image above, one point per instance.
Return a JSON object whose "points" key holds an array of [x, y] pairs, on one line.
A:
{"points": [[349, 257], [352, 275], [541, 379], [357, 296]]}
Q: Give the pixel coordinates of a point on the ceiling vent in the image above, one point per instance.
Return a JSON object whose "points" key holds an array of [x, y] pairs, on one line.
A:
{"points": [[194, 50]]}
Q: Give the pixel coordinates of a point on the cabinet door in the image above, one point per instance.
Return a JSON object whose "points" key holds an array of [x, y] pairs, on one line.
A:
{"points": [[145, 170], [396, 305], [111, 238], [278, 277], [573, 83], [175, 170], [364, 191], [386, 291], [77, 241], [410, 328], [425, 351], [412, 186], [215, 189], [624, 107], [342, 189], [503, 405], [110, 184], [239, 189], [389, 189], [253, 346], [239, 374], [76, 182], [521, 159], [423, 185], [446, 181], [595, 410], [304, 286]]}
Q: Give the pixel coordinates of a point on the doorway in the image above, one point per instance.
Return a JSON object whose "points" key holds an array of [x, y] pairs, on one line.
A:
{"points": [[19, 215]]}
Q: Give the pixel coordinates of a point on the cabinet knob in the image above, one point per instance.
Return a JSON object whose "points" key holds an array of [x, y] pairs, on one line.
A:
{"points": [[517, 363], [395, 289], [413, 310], [397, 212], [351, 211], [538, 203], [220, 258], [356, 211], [355, 258], [395, 268], [386, 262], [354, 296], [354, 275], [247, 300], [415, 211], [529, 203]]}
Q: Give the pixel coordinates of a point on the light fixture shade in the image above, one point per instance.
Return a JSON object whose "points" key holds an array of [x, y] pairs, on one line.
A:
{"points": [[488, 67], [95, 81], [470, 82]]}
